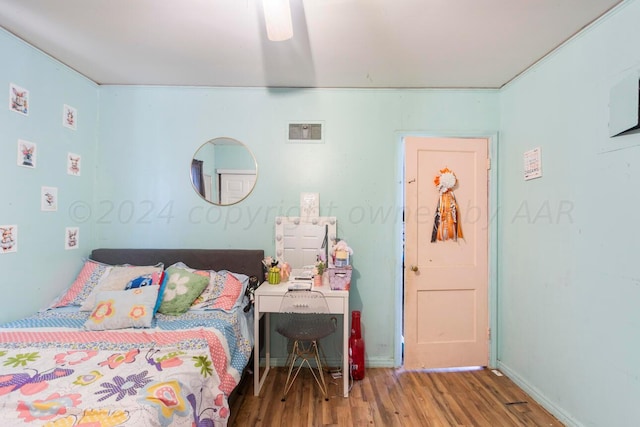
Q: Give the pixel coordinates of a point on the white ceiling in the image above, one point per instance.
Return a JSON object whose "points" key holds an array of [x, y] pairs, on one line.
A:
{"points": [[336, 43]]}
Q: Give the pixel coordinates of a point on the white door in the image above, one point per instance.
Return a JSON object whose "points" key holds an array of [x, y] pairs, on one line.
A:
{"points": [[302, 243], [446, 282], [235, 186]]}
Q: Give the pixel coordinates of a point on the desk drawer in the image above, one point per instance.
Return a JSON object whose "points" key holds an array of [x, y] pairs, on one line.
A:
{"points": [[335, 305], [271, 304]]}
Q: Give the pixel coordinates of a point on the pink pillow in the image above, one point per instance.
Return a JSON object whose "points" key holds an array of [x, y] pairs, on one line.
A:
{"points": [[225, 292], [85, 282], [232, 289]]}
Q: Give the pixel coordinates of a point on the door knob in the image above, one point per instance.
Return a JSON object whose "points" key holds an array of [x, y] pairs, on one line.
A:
{"points": [[414, 268]]}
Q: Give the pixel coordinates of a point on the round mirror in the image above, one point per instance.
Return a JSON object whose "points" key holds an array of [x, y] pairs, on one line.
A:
{"points": [[223, 171]]}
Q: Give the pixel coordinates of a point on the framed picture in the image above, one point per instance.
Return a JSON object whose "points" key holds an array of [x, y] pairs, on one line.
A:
{"points": [[8, 238], [71, 237], [49, 199], [309, 132], [26, 154], [18, 99], [69, 117], [73, 164]]}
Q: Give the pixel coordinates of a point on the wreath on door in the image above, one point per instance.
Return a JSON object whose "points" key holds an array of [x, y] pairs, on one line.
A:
{"points": [[446, 224]]}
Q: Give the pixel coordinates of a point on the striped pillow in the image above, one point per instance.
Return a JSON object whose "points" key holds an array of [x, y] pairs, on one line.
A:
{"points": [[86, 281]]}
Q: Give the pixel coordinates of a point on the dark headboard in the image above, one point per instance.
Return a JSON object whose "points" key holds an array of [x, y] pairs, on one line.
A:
{"points": [[245, 261]]}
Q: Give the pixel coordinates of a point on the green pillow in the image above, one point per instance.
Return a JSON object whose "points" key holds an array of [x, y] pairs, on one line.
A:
{"points": [[182, 289]]}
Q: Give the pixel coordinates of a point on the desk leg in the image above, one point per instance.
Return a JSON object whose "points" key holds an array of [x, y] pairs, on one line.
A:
{"points": [[256, 354], [345, 350], [258, 380], [267, 344]]}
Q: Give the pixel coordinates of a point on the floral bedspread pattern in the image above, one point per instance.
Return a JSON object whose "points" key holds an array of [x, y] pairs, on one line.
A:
{"points": [[179, 373]]}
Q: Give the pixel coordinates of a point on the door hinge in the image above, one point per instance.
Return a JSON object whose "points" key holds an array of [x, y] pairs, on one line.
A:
{"points": [[489, 333], [488, 163]]}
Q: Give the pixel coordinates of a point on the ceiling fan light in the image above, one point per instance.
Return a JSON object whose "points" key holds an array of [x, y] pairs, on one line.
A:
{"points": [[277, 18]]}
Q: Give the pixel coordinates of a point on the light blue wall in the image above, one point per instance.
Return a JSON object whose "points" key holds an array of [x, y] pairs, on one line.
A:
{"points": [[568, 272], [233, 157], [207, 153], [568, 281], [149, 134], [42, 268]]}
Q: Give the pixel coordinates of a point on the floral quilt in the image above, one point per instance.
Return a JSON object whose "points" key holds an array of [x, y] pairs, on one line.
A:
{"points": [[178, 373]]}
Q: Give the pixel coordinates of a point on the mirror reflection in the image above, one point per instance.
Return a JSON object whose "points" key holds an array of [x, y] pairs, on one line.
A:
{"points": [[223, 171], [300, 240]]}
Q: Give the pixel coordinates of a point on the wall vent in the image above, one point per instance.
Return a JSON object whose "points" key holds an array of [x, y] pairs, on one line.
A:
{"points": [[306, 132]]}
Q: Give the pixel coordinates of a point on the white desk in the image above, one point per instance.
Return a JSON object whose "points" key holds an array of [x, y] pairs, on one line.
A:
{"points": [[267, 300]]}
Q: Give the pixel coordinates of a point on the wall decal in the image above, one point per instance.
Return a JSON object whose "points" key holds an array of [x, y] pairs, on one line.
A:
{"points": [[445, 223], [532, 164], [69, 117], [49, 199], [310, 205], [8, 238], [18, 99], [71, 237], [73, 164], [26, 154]]}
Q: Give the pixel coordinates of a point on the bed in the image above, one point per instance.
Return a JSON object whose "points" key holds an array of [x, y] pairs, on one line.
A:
{"points": [[79, 363]]}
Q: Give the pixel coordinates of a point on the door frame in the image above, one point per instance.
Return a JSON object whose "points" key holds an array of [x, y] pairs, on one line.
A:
{"points": [[493, 221]]}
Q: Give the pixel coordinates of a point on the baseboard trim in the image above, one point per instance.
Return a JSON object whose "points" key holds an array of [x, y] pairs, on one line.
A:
{"points": [[369, 363], [555, 410]]}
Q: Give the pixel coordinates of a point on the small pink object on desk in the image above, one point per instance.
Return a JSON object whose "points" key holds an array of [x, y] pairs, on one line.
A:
{"points": [[285, 271]]}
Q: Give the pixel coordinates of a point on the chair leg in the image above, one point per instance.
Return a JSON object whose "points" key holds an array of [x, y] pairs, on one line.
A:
{"points": [[299, 351], [291, 360], [290, 354], [323, 386]]}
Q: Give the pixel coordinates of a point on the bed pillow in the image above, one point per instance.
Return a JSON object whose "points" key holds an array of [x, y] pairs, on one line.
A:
{"points": [[132, 308], [118, 278], [210, 293], [163, 286], [86, 280], [181, 289], [225, 292], [140, 281]]}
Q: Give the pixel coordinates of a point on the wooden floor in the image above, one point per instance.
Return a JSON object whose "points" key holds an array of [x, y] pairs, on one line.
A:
{"points": [[392, 397]]}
